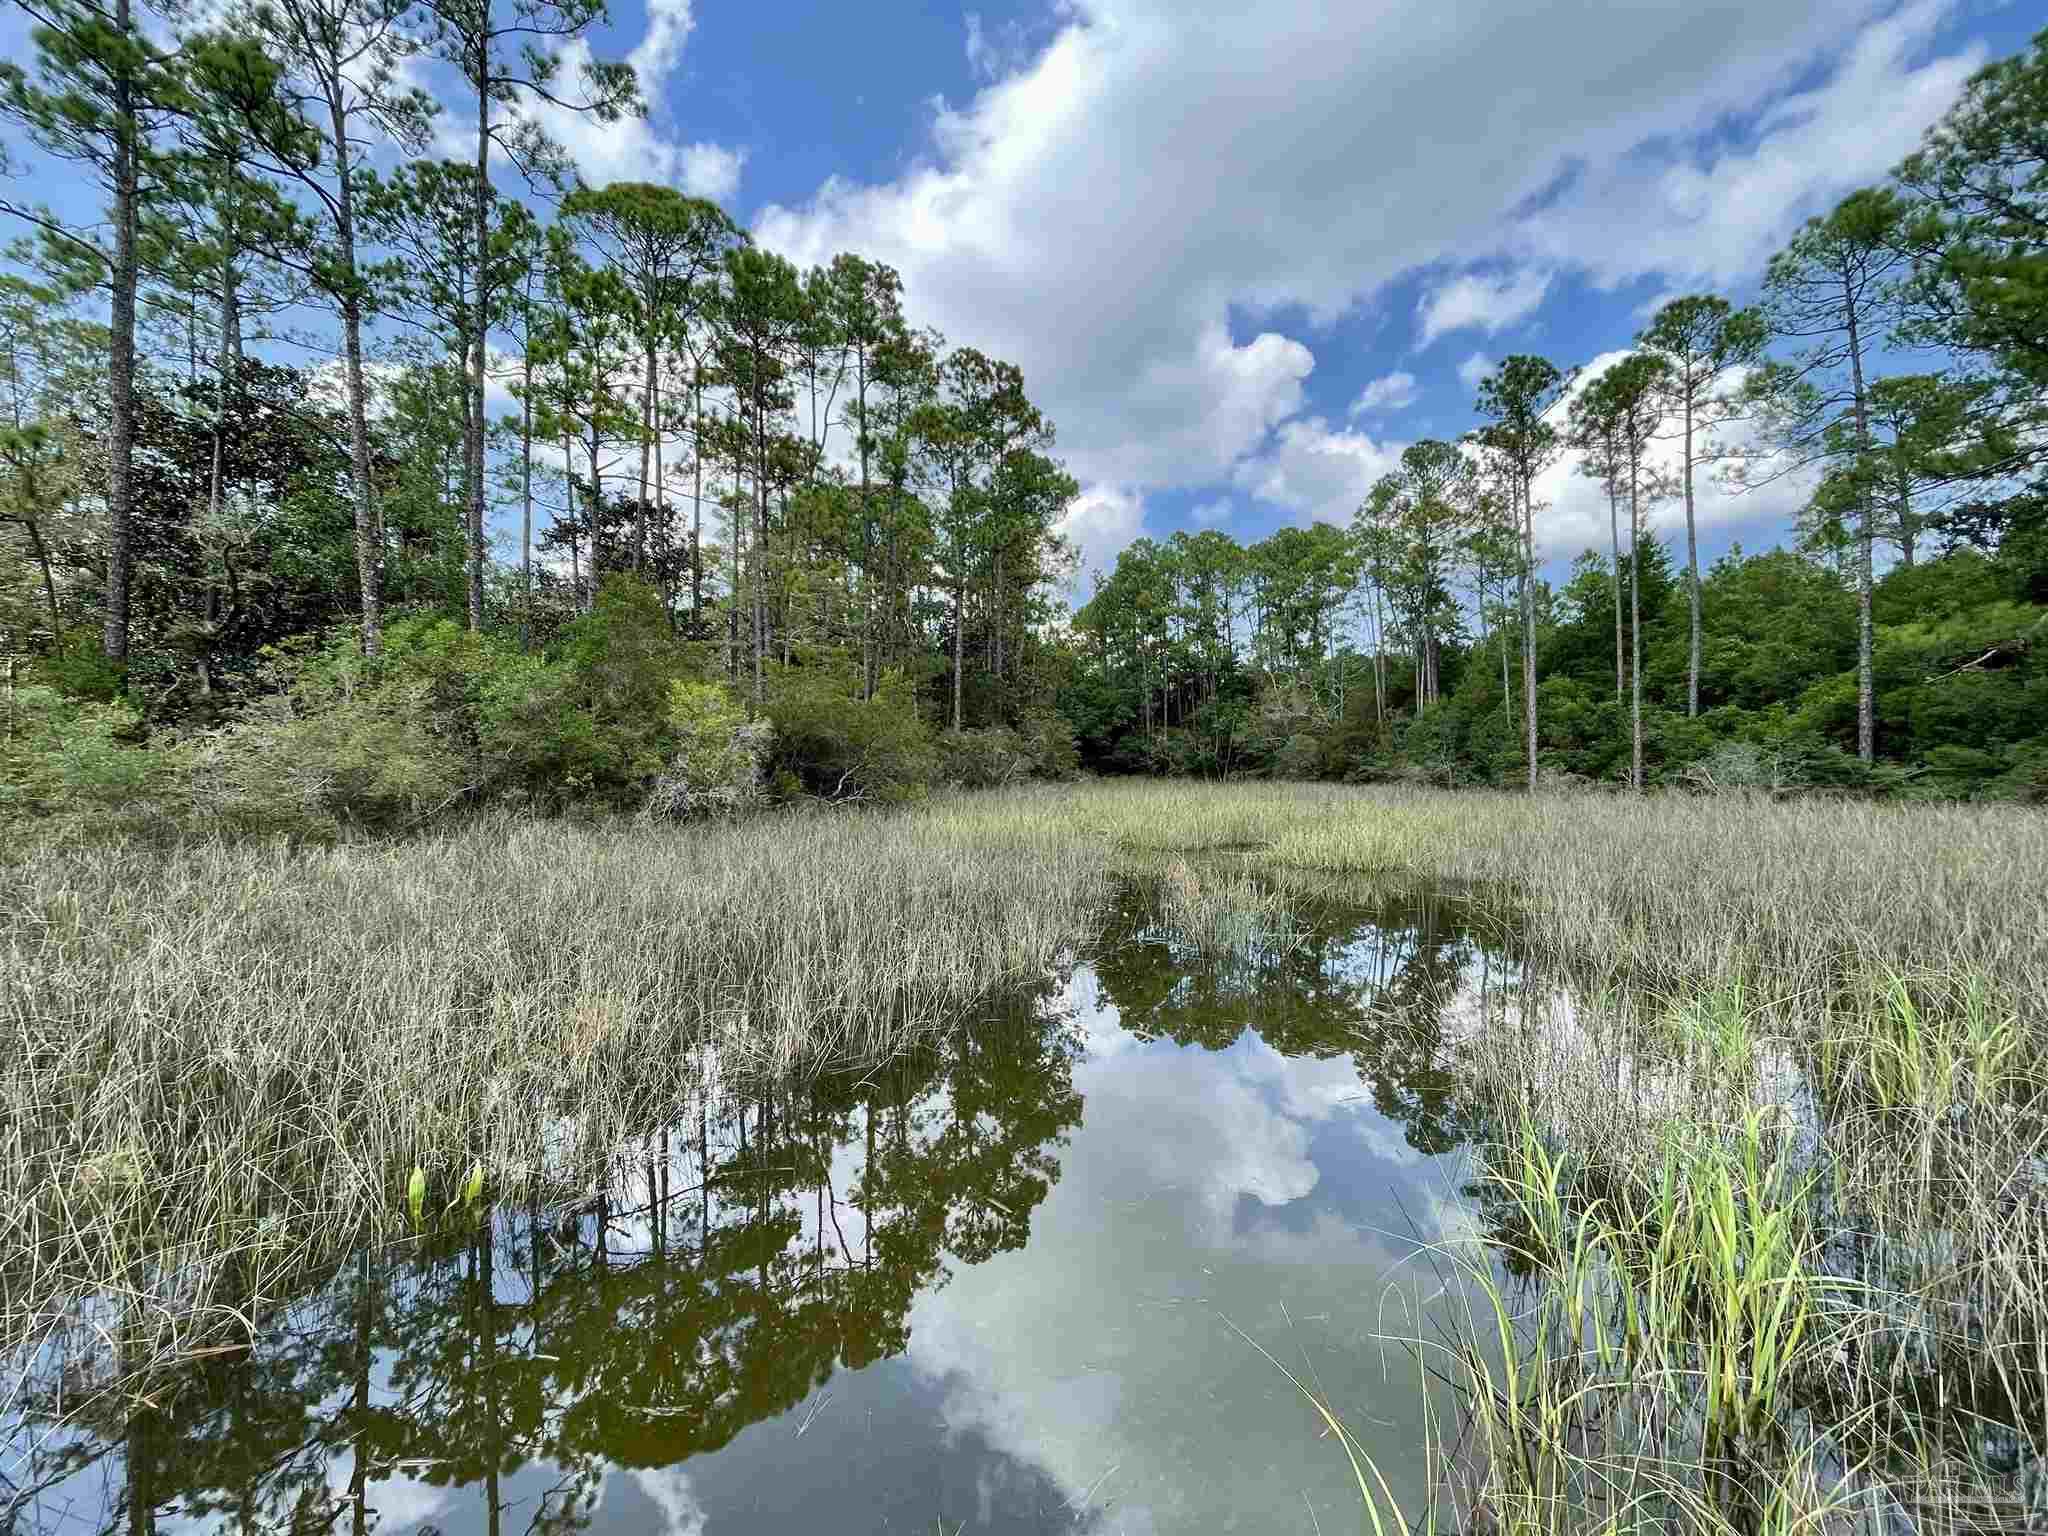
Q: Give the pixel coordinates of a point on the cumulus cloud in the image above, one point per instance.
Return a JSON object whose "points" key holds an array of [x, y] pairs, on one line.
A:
{"points": [[1100, 522], [642, 148], [1572, 512], [1473, 369], [1317, 471], [1115, 211], [669, 1490], [1713, 214], [1192, 1191], [1473, 302], [1389, 392]]}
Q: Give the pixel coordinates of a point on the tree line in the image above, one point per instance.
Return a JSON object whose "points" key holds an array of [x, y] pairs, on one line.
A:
{"points": [[260, 401], [1894, 359], [262, 404]]}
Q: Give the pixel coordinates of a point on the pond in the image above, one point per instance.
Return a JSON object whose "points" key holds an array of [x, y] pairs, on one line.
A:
{"points": [[1008, 1284]]}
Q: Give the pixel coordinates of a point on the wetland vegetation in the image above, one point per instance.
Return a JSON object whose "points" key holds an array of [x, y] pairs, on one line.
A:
{"points": [[1688, 1174]]}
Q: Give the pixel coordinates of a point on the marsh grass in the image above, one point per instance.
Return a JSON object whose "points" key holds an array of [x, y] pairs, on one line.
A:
{"points": [[1755, 1264], [1220, 912], [219, 1067], [1766, 1103]]}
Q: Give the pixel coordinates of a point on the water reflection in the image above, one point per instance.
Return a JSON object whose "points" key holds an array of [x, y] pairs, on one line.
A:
{"points": [[932, 1295]]}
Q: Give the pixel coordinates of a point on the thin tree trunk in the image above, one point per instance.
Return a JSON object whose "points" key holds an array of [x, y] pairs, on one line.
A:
{"points": [[1507, 697], [1866, 683], [760, 541], [960, 651], [1529, 625], [369, 531], [359, 1407], [1635, 619], [646, 460], [1692, 571], [526, 477], [1908, 532], [696, 499], [121, 356], [41, 553], [1614, 533], [479, 326]]}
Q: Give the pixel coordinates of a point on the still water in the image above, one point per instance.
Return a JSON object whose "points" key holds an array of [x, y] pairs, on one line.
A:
{"points": [[995, 1287]]}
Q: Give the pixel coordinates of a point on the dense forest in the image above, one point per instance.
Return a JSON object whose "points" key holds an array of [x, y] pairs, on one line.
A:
{"points": [[266, 408]]}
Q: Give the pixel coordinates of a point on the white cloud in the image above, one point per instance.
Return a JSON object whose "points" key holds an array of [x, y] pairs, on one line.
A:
{"points": [[1191, 1193], [1714, 215], [1572, 513], [1473, 369], [669, 24], [710, 170], [1389, 392], [1473, 302], [1108, 210], [669, 1490], [1100, 522], [1317, 471], [642, 148]]}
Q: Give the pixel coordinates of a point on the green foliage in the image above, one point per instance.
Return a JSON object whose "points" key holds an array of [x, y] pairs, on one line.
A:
{"points": [[831, 743], [719, 755], [62, 755]]}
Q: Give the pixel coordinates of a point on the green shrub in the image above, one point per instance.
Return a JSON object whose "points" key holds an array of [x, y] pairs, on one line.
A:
{"points": [[62, 755], [1054, 746], [983, 759], [719, 755], [831, 743]]}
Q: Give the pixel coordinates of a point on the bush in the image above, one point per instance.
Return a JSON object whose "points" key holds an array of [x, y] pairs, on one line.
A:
{"points": [[344, 742], [720, 755], [61, 756], [831, 743], [1299, 757], [1738, 765], [1055, 748], [983, 759]]}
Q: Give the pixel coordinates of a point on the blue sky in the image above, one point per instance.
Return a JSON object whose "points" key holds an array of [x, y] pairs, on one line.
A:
{"points": [[1245, 254]]}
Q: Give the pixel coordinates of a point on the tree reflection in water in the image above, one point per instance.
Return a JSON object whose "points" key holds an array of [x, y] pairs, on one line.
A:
{"points": [[737, 1257]]}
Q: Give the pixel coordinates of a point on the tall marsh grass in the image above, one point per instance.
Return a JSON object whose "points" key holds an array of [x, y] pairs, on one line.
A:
{"points": [[1770, 1169], [220, 1065]]}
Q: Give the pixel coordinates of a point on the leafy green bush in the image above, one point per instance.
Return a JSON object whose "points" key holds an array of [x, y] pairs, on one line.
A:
{"points": [[831, 743], [343, 742], [61, 755], [1053, 744], [983, 759], [719, 755]]}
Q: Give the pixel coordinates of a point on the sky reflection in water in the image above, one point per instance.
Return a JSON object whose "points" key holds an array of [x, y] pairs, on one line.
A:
{"points": [[992, 1287]]}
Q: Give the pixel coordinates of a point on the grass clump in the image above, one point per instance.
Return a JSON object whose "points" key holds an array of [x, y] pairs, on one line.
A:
{"points": [[1757, 1265]]}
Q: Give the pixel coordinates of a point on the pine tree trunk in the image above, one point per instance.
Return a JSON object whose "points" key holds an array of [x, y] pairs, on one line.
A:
{"points": [[960, 649], [121, 358], [1635, 620], [1692, 572], [526, 479], [369, 532], [1866, 683], [1529, 626], [479, 327], [696, 500], [646, 464], [1614, 534], [760, 542]]}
